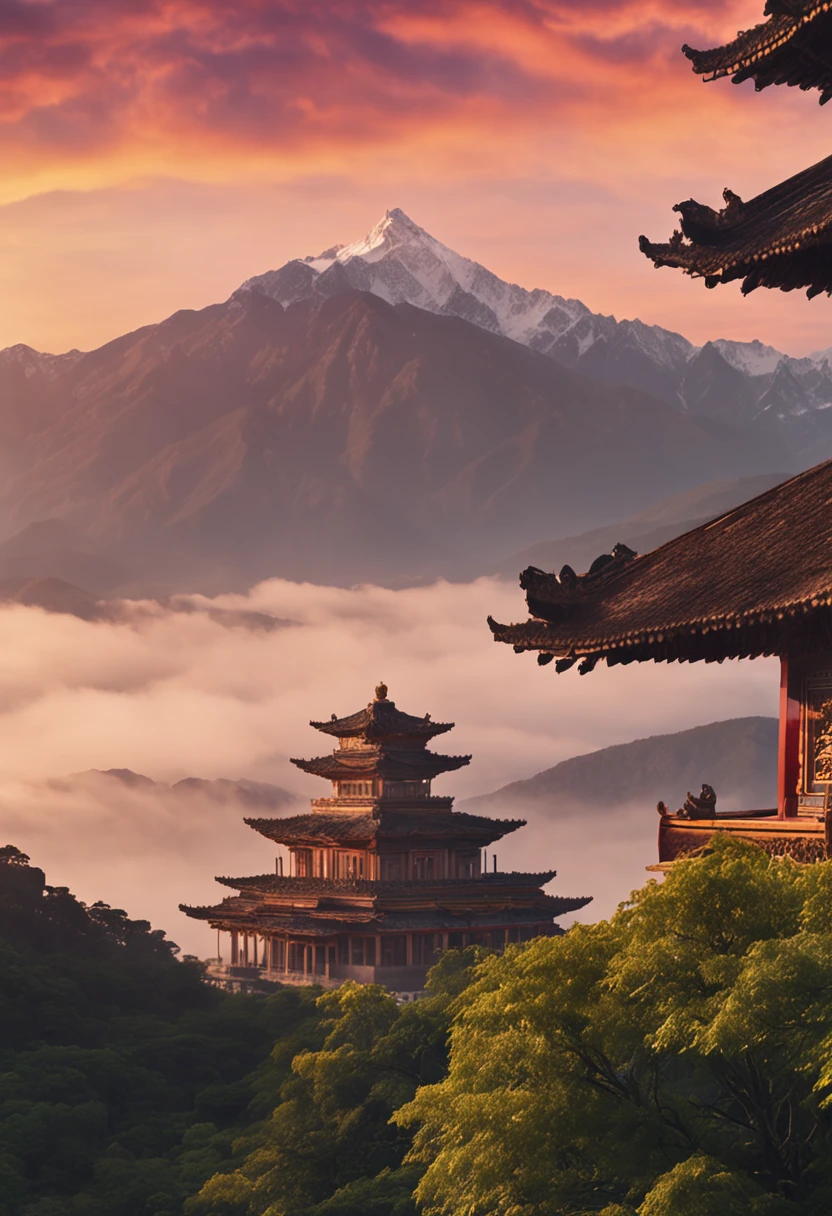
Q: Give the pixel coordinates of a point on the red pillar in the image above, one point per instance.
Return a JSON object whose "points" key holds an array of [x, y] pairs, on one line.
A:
{"points": [[788, 765]]}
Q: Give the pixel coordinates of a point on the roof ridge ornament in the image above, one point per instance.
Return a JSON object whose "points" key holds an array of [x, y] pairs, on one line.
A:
{"points": [[553, 598], [381, 691]]}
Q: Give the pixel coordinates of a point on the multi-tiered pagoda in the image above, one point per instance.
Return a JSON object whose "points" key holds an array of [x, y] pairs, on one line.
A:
{"points": [[383, 875]]}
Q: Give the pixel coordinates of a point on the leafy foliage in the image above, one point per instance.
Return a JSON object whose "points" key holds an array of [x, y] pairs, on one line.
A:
{"points": [[672, 1060], [675, 1060], [121, 1072], [329, 1146]]}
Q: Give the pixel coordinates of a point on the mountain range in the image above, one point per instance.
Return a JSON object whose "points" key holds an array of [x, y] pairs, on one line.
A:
{"points": [[738, 757], [746, 382], [388, 410], [642, 532]]}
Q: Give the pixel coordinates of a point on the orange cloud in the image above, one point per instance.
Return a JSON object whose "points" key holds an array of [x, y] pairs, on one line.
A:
{"points": [[91, 88], [539, 136]]}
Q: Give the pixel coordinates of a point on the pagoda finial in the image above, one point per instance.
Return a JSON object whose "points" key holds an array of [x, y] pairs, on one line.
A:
{"points": [[381, 692]]}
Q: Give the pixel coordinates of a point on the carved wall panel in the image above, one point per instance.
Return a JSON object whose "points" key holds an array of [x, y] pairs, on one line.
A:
{"points": [[816, 734]]}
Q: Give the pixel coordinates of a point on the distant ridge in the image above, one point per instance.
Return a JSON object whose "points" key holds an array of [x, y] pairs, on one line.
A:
{"points": [[337, 439], [645, 531], [386, 411], [738, 757], [241, 792]]}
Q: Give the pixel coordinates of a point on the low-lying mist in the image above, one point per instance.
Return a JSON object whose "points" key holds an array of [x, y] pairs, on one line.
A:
{"points": [[215, 692]]}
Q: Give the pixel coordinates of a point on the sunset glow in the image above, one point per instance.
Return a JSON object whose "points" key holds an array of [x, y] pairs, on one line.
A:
{"points": [[540, 138]]}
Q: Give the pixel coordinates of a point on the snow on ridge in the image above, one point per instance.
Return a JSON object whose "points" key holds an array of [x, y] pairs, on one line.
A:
{"points": [[400, 262], [440, 272], [33, 361], [754, 358]]}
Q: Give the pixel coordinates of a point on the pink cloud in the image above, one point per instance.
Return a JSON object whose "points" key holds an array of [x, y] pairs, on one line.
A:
{"points": [[89, 78]]}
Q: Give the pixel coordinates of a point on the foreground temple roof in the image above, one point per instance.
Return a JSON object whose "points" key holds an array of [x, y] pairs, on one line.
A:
{"points": [[756, 581], [780, 239], [793, 47], [351, 828]]}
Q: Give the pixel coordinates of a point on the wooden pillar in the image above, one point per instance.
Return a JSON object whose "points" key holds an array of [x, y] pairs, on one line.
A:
{"points": [[235, 948], [788, 760]]}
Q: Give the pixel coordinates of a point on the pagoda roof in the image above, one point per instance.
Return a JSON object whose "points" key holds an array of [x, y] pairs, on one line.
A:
{"points": [[758, 580], [351, 828], [782, 238], [382, 761], [793, 47], [277, 884], [382, 720], [237, 913]]}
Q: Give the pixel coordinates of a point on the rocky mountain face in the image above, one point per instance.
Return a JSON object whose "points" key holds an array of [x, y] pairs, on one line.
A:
{"points": [[740, 382], [334, 438]]}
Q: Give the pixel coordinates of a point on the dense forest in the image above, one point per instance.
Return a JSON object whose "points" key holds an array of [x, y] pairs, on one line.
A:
{"points": [[672, 1061]]}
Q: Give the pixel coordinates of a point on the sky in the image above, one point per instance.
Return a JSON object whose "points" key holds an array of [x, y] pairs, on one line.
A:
{"points": [[172, 694], [156, 153]]}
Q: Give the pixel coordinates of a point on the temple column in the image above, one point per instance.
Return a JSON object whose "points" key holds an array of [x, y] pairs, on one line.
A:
{"points": [[788, 760], [235, 948]]}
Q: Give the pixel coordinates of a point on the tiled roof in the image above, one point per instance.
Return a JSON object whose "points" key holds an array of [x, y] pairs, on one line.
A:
{"points": [[264, 884], [236, 913], [383, 761], [758, 580], [781, 238], [793, 47], [382, 720], [352, 828]]}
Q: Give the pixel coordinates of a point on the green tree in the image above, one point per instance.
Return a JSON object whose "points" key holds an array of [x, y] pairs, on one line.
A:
{"points": [[327, 1145], [672, 1060]]}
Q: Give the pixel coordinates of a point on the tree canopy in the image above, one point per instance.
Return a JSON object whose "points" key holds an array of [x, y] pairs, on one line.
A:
{"points": [[672, 1060], [675, 1060]]}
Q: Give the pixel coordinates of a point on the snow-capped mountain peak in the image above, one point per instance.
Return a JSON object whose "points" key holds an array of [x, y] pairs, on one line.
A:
{"points": [[404, 264], [391, 233], [754, 358]]}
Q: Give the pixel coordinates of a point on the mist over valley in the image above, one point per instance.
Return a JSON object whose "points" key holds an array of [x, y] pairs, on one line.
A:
{"points": [[171, 695]]}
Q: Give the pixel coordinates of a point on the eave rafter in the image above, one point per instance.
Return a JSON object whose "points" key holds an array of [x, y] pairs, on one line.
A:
{"points": [[793, 47]]}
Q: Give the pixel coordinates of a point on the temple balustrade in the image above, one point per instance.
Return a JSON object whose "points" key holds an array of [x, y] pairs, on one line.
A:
{"points": [[423, 864], [388, 958]]}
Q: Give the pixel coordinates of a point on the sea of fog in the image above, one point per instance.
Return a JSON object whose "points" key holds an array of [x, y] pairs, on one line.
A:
{"points": [[199, 688]]}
